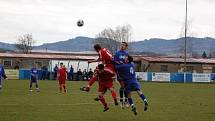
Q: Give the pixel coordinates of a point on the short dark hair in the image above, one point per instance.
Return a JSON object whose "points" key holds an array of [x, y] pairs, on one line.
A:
{"points": [[125, 43], [61, 63], [97, 47], [101, 66], [130, 59]]}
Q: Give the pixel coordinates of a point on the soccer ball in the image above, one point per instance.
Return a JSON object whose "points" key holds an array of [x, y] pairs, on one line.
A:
{"points": [[80, 23]]}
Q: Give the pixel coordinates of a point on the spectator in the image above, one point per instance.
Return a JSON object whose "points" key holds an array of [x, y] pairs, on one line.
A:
{"points": [[44, 72], [79, 75], [71, 73], [90, 74], [17, 65], [55, 71], [85, 76]]}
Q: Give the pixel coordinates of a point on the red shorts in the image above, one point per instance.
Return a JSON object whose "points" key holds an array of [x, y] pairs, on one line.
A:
{"points": [[62, 81], [104, 86]]}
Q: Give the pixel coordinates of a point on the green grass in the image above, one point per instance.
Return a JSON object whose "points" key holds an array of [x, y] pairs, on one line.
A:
{"points": [[168, 102]]}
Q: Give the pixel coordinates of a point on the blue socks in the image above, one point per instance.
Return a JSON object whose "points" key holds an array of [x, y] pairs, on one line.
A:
{"points": [[130, 102], [144, 98]]}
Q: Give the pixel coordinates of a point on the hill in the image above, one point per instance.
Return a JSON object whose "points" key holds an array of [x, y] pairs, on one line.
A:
{"points": [[154, 45]]}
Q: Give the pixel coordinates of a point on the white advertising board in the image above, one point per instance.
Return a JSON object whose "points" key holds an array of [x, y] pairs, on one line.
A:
{"points": [[161, 77], [201, 77], [142, 75]]}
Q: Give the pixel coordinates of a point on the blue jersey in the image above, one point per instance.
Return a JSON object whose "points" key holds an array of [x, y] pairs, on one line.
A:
{"points": [[120, 56], [126, 72], [33, 72], [2, 72]]}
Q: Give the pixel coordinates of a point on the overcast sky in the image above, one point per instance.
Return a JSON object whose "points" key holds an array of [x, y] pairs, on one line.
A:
{"points": [[55, 20]]}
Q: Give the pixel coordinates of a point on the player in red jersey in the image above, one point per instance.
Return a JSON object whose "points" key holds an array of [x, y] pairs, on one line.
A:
{"points": [[105, 56], [62, 77], [105, 81]]}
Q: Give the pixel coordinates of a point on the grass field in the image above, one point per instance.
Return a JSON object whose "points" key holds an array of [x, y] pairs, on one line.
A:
{"points": [[168, 102]]}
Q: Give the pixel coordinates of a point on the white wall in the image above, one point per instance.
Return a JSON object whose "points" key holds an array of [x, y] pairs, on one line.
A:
{"points": [[82, 65]]}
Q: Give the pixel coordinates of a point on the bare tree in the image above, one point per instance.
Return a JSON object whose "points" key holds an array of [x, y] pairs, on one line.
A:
{"points": [[190, 41], [111, 38], [25, 43]]}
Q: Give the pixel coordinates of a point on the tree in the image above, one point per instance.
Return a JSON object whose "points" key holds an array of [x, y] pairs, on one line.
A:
{"points": [[204, 55], [190, 41], [25, 43], [112, 39]]}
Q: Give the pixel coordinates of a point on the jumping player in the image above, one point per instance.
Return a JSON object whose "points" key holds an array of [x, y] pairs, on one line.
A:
{"points": [[127, 73], [33, 78], [105, 57], [62, 77], [105, 81], [119, 59]]}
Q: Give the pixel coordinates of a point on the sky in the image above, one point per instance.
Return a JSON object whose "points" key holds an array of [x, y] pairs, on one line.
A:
{"points": [[55, 20]]}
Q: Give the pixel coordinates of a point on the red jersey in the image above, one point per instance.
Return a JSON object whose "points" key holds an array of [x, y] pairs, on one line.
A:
{"points": [[62, 74], [105, 56], [106, 76]]}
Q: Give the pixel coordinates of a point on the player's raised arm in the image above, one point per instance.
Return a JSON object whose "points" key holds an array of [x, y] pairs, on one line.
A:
{"points": [[96, 60]]}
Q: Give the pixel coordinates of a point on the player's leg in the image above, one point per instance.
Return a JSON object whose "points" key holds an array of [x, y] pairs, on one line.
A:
{"points": [[102, 100], [131, 102], [101, 92], [37, 86], [30, 86], [0, 83], [64, 87], [121, 93], [114, 95], [60, 86], [140, 93], [126, 103]]}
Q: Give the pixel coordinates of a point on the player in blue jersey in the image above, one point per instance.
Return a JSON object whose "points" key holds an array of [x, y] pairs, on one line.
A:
{"points": [[2, 75], [33, 78], [119, 59], [127, 73], [121, 54]]}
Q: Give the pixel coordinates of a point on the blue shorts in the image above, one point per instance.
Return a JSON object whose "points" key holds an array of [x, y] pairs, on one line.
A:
{"points": [[133, 86], [33, 79]]}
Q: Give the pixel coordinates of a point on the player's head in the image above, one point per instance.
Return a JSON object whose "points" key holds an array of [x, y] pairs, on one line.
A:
{"points": [[61, 64], [124, 46], [101, 67], [129, 59], [97, 47]]}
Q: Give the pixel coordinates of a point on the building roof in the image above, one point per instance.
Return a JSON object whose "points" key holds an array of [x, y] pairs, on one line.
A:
{"points": [[64, 52], [177, 60], [91, 57], [48, 56]]}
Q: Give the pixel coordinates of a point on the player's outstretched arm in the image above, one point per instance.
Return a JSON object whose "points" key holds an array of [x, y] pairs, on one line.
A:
{"points": [[91, 61]]}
